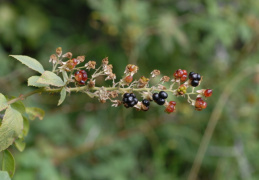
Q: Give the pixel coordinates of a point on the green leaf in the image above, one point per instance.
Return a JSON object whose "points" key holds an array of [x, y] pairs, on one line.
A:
{"points": [[26, 126], [11, 127], [32, 81], [50, 78], [19, 106], [8, 163], [20, 144], [4, 175], [62, 96], [30, 62], [34, 112], [3, 102]]}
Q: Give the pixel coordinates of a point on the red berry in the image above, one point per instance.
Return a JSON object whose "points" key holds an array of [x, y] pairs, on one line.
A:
{"points": [[198, 109], [78, 77], [204, 105], [184, 77], [172, 103], [184, 72], [199, 99], [75, 61], [84, 77], [170, 108], [178, 73], [198, 104], [83, 71], [208, 92], [128, 79]]}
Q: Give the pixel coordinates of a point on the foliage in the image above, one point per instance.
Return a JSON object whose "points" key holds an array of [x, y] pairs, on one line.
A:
{"points": [[218, 39]]}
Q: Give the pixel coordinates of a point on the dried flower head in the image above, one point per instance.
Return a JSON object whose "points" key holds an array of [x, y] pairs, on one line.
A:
{"points": [[165, 79], [113, 94], [131, 69], [111, 76], [105, 61], [59, 51], [53, 59], [81, 58], [155, 73], [142, 82], [91, 83], [90, 65], [67, 55]]}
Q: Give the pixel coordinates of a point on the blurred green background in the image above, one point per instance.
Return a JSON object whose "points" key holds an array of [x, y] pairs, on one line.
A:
{"points": [[86, 140]]}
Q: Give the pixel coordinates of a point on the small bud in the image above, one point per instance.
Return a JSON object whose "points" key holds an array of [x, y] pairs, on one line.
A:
{"points": [[155, 73], [59, 51], [67, 55], [53, 59], [91, 84]]}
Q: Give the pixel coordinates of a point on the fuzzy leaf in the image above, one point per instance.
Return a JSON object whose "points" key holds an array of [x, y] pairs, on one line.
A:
{"points": [[4, 175], [30, 62], [11, 127], [50, 78], [32, 81], [8, 163], [62, 96], [3, 102], [34, 112]]}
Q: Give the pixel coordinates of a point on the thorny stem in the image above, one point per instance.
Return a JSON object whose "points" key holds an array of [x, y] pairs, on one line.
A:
{"points": [[87, 89]]}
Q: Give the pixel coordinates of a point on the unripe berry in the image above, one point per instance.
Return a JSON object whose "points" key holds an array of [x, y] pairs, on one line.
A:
{"points": [[170, 108], [208, 92], [128, 79]]}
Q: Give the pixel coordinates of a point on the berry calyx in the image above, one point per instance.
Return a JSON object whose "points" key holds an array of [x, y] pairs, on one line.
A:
{"points": [[207, 92]]}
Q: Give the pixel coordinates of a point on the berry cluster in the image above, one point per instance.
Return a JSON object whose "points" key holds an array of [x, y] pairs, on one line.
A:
{"points": [[195, 78], [160, 97], [170, 107], [182, 89], [129, 100], [81, 77], [180, 74], [200, 104]]}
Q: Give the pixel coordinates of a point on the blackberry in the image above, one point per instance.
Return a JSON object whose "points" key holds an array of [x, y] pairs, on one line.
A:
{"points": [[163, 95], [129, 100], [146, 102], [155, 96], [160, 101], [194, 83]]}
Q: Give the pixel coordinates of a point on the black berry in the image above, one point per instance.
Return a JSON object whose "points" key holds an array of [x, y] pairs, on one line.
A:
{"points": [[135, 100], [194, 83], [146, 102], [155, 96], [198, 77], [126, 95], [160, 101], [163, 95], [133, 95], [130, 99], [190, 75]]}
